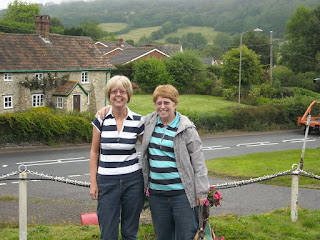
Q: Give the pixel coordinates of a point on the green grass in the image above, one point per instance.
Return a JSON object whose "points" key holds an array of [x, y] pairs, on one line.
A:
{"points": [[112, 27], [276, 224], [136, 34], [261, 164], [207, 32], [143, 104]]}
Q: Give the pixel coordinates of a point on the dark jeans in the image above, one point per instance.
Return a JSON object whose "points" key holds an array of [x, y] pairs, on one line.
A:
{"points": [[120, 196], [173, 218]]}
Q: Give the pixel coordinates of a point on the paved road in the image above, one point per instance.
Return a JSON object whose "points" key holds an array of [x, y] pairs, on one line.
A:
{"points": [[67, 202]]}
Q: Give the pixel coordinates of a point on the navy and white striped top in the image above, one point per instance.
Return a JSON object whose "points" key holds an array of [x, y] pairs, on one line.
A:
{"points": [[164, 176], [118, 157]]}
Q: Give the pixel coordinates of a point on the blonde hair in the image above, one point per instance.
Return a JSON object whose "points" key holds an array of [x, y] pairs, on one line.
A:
{"points": [[166, 91], [119, 81]]}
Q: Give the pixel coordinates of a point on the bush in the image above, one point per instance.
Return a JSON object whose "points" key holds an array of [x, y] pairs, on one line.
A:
{"points": [[44, 125]]}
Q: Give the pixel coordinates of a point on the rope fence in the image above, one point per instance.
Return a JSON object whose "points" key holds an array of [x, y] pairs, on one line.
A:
{"points": [[46, 177]]}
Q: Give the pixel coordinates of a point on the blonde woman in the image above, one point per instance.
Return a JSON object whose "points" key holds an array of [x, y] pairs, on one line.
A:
{"points": [[116, 175]]}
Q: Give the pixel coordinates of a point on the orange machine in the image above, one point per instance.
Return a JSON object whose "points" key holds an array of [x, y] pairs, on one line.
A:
{"points": [[314, 121]]}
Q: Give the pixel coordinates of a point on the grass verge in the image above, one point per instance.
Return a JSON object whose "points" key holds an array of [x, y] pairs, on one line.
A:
{"points": [[271, 225], [261, 164]]}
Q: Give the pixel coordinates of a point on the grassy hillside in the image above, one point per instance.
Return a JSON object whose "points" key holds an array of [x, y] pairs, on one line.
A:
{"points": [[207, 32], [113, 27], [136, 34]]}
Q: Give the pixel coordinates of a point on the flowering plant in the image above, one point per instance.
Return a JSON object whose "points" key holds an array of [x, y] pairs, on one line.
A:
{"points": [[214, 197]]}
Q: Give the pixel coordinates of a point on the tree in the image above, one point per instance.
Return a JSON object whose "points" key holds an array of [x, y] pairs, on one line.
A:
{"points": [[150, 73], [303, 34], [86, 28], [259, 43], [183, 68], [21, 12], [251, 68], [194, 41], [222, 40]]}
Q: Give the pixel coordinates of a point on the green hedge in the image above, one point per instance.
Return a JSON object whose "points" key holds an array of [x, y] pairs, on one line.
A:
{"points": [[44, 125]]}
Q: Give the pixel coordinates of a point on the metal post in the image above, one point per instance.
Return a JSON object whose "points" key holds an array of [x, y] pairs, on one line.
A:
{"points": [[304, 142], [23, 206], [240, 70], [271, 57], [294, 193]]}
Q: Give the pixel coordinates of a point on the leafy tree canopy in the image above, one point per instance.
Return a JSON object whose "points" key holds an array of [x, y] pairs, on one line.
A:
{"points": [[301, 51], [251, 68], [184, 67], [21, 12], [150, 73]]}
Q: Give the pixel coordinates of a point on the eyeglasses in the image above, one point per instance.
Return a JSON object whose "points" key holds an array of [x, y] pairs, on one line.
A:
{"points": [[166, 103], [121, 92]]}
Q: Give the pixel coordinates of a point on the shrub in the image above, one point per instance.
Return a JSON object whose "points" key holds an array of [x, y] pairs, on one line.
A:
{"points": [[44, 125]]}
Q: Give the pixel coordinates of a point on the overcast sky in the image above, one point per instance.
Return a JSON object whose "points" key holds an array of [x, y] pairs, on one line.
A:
{"points": [[4, 3]]}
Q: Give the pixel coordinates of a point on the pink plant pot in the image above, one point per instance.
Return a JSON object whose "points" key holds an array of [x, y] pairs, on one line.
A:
{"points": [[89, 218]]}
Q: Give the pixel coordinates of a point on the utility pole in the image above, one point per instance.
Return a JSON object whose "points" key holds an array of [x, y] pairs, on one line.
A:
{"points": [[271, 57], [240, 70]]}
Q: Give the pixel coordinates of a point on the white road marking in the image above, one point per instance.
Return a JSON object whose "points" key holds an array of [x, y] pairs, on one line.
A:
{"points": [[298, 140], [4, 165], [256, 144], [50, 162], [77, 175], [1, 184], [219, 147]]}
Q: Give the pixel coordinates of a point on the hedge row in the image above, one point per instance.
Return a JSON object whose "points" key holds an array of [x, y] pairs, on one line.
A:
{"points": [[44, 125], [47, 126]]}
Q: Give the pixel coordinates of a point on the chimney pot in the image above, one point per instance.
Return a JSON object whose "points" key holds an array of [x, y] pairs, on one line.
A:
{"points": [[42, 23]]}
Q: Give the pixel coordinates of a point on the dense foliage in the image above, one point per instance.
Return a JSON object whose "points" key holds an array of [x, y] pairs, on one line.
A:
{"points": [[302, 52], [44, 125], [230, 16]]}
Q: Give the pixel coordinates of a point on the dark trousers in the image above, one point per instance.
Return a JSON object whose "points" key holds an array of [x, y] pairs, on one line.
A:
{"points": [[120, 199]]}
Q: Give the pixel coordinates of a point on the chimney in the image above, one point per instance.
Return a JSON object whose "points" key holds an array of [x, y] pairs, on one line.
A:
{"points": [[120, 44], [43, 26]]}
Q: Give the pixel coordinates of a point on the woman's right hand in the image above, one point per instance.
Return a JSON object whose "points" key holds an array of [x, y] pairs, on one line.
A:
{"points": [[94, 191], [103, 112]]}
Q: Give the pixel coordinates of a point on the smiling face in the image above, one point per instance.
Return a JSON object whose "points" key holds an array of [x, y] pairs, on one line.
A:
{"points": [[165, 108], [118, 97]]}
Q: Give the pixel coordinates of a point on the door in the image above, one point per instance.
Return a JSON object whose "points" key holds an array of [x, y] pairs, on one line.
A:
{"points": [[76, 103]]}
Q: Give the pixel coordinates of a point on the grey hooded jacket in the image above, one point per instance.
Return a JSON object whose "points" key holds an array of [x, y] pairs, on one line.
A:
{"points": [[189, 157]]}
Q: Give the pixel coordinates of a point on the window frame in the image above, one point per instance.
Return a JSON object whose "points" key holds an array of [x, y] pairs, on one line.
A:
{"points": [[6, 102], [8, 77], [60, 103], [39, 75], [84, 77], [39, 100]]}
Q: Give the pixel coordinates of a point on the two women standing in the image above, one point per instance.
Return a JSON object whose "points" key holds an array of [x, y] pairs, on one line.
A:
{"points": [[172, 163]]}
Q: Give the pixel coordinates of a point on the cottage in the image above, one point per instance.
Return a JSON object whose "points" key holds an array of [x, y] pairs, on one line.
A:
{"points": [[43, 69]]}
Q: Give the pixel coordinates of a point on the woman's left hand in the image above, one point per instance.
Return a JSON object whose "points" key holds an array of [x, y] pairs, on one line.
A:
{"points": [[201, 201]]}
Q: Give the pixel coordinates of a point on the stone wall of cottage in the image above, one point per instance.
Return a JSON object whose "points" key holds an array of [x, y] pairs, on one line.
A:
{"points": [[22, 97]]}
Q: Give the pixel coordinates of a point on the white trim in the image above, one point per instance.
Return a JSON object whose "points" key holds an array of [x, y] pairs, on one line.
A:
{"points": [[113, 51], [39, 100], [134, 59], [8, 77], [40, 76], [58, 103], [10, 101], [101, 44], [86, 73]]}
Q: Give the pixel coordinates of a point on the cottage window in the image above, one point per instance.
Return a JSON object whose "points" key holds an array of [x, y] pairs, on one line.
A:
{"points": [[7, 102], [37, 100], [39, 76], [85, 77], [59, 102], [8, 77]]}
